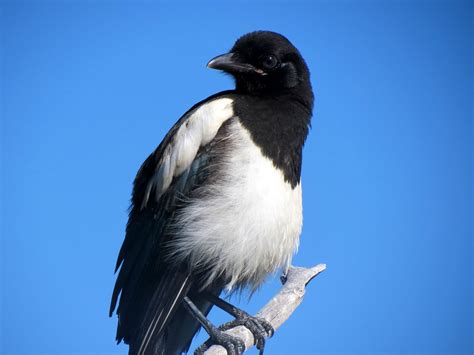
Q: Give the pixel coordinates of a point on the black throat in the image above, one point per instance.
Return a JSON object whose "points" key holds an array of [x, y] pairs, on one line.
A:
{"points": [[279, 126]]}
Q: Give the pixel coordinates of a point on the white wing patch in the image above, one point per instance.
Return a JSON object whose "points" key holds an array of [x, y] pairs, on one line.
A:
{"points": [[196, 131]]}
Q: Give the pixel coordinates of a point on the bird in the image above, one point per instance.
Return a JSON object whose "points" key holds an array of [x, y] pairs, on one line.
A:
{"points": [[217, 206]]}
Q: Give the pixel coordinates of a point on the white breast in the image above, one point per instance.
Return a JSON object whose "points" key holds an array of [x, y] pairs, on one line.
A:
{"points": [[249, 222]]}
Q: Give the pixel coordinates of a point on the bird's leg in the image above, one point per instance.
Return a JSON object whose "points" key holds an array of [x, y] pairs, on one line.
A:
{"points": [[233, 345], [259, 327]]}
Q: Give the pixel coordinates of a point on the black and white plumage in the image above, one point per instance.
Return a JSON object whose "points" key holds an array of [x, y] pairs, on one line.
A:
{"points": [[218, 204]]}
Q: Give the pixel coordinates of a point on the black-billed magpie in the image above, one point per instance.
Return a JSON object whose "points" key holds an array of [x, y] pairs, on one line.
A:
{"points": [[217, 206]]}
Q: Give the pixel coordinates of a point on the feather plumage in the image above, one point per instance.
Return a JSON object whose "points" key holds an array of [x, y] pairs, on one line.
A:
{"points": [[150, 292]]}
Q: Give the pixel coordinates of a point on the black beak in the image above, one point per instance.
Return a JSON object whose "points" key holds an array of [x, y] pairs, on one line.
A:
{"points": [[231, 63]]}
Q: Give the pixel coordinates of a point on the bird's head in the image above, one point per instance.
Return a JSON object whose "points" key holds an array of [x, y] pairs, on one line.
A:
{"points": [[265, 63]]}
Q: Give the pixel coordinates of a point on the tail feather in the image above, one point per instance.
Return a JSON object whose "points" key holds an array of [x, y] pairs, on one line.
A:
{"points": [[183, 326], [164, 304], [143, 321], [171, 330]]}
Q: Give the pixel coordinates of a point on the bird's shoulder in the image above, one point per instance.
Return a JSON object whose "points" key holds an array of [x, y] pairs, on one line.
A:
{"points": [[179, 148]]}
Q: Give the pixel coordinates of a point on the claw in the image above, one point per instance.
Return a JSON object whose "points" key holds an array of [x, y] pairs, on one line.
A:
{"points": [[259, 327], [233, 345]]}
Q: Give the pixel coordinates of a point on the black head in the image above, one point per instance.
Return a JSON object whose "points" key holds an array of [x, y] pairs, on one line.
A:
{"points": [[265, 62]]}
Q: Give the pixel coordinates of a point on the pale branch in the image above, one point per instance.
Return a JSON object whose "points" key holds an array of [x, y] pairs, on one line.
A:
{"points": [[279, 308]]}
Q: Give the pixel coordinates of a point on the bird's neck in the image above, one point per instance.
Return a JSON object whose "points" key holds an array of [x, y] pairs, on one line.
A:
{"points": [[302, 93], [279, 126]]}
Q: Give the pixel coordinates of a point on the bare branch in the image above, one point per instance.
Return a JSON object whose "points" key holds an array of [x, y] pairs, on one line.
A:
{"points": [[279, 308]]}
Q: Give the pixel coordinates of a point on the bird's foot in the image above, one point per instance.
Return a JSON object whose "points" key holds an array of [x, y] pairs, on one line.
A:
{"points": [[233, 345], [259, 327]]}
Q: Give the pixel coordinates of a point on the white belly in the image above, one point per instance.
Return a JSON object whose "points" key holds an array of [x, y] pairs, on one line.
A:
{"points": [[249, 223]]}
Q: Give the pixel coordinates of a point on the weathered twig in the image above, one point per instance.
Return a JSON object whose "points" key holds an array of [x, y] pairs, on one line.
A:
{"points": [[280, 307]]}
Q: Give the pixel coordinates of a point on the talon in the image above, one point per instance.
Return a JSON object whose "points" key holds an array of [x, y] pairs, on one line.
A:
{"points": [[259, 327], [261, 345], [240, 345], [233, 345], [267, 326], [229, 347]]}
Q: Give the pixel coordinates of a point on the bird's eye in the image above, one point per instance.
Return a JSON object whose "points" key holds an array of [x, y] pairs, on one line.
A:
{"points": [[269, 62]]}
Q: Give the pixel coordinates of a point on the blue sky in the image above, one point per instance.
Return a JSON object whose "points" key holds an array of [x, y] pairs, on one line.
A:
{"points": [[89, 89]]}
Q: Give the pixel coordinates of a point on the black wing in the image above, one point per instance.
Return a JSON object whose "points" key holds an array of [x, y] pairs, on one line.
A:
{"points": [[150, 290]]}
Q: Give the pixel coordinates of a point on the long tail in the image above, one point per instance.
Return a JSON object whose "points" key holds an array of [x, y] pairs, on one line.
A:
{"points": [[177, 335]]}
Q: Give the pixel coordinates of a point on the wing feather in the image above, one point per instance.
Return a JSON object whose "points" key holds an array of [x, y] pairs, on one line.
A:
{"points": [[196, 130], [148, 291]]}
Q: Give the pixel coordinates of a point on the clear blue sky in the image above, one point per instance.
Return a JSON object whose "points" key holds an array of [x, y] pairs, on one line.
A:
{"points": [[89, 89]]}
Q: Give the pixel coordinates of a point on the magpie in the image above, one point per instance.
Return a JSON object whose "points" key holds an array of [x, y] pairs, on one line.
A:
{"points": [[217, 207]]}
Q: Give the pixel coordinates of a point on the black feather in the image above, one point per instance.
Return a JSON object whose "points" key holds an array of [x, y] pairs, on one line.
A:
{"points": [[146, 285], [276, 109]]}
